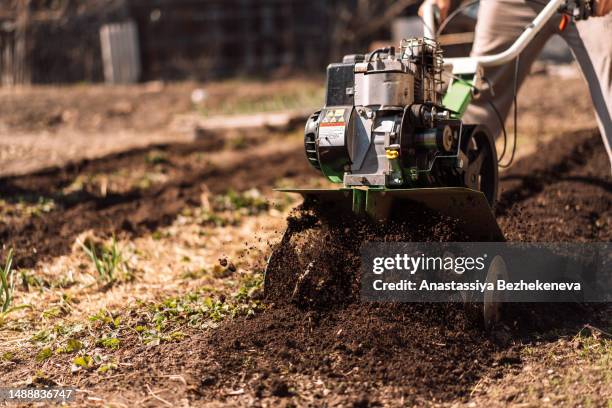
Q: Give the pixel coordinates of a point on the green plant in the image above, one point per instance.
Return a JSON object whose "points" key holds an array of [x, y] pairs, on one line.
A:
{"points": [[106, 318], [83, 361], [156, 157], [6, 282], [7, 287], [108, 367], [107, 261], [29, 280], [109, 342], [44, 354], [251, 202], [71, 346]]}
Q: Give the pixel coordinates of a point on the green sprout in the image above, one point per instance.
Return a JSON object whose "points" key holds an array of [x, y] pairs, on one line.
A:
{"points": [[107, 261], [7, 287], [6, 282]]}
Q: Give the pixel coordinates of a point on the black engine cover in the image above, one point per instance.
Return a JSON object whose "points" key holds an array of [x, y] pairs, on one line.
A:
{"points": [[340, 85]]}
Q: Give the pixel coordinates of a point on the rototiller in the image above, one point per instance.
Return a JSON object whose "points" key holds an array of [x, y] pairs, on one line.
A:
{"points": [[391, 130]]}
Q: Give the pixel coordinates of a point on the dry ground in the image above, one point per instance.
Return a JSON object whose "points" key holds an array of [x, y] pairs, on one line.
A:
{"points": [[48, 126], [190, 225]]}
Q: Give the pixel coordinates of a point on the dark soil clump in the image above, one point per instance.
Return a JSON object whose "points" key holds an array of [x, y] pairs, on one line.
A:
{"points": [[317, 263]]}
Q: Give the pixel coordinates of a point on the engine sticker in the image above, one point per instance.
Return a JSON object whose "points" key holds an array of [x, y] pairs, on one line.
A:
{"points": [[331, 136], [332, 128], [333, 117]]}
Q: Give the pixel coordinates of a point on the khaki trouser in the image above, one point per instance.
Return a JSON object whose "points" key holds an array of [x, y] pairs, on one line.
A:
{"points": [[500, 22]]}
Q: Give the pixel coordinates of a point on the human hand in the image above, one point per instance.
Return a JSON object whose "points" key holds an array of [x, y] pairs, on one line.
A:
{"points": [[603, 7], [444, 6]]}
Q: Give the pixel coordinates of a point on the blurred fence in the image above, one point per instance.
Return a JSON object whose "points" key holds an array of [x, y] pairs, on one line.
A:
{"points": [[213, 38], [178, 39], [59, 40], [7, 55], [14, 64]]}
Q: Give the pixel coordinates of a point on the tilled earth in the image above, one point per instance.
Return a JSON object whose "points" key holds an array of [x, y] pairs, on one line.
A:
{"points": [[137, 191], [369, 354], [327, 352]]}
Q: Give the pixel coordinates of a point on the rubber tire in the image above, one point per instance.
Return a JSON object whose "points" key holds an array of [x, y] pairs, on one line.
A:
{"points": [[493, 300]]}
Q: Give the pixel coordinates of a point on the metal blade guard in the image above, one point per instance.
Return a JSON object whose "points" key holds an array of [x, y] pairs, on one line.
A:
{"points": [[469, 207]]}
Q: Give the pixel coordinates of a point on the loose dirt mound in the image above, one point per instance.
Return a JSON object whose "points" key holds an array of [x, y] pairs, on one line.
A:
{"points": [[561, 193], [431, 351], [317, 327], [316, 264], [369, 353]]}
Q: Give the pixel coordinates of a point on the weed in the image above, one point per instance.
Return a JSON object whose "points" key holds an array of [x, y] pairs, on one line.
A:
{"points": [[44, 205], [156, 157], [6, 282], [42, 336], [112, 343], [63, 282], [593, 346], [29, 280], [228, 209], [210, 218], [44, 354], [26, 206], [106, 318], [250, 202], [198, 309], [55, 312], [40, 378], [7, 287], [108, 367], [107, 259], [7, 356], [84, 361], [72, 346], [251, 288]]}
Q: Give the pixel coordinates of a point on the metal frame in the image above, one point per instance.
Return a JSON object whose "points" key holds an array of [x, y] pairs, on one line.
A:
{"points": [[469, 206], [471, 64], [465, 70]]}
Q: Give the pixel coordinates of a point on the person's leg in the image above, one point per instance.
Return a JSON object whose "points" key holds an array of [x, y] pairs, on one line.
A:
{"points": [[591, 44], [499, 24]]}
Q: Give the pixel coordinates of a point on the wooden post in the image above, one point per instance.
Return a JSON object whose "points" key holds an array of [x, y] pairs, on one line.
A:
{"points": [[21, 67], [120, 52]]}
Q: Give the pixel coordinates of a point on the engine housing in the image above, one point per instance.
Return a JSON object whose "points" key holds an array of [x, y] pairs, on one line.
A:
{"points": [[383, 124]]}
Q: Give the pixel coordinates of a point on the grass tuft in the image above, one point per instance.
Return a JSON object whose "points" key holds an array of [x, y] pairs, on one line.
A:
{"points": [[6, 282], [107, 259], [7, 287]]}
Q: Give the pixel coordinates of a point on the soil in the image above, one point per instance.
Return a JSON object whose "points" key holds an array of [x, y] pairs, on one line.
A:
{"points": [[317, 260], [420, 352], [333, 349], [188, 168], [327, 348], [46, 126]]}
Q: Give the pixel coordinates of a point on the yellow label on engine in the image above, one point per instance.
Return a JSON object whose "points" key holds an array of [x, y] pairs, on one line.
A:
{"points": [[333, 117]]}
